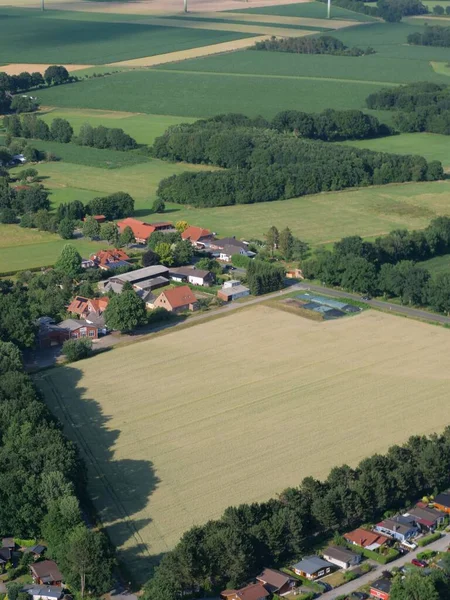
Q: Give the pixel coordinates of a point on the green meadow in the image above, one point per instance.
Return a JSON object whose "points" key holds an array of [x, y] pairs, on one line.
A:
{"points": [[310, 10], [437, 265], [51, 38]]}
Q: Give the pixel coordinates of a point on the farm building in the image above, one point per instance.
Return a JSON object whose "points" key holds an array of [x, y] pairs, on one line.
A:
{"points": [[46, 573], [276, 582], [90, 309], [381, 589], [400, 528], [313, 567], [197, 235], [427, 518], [141, 230], [366, 539], [50, 334], [341, 557], [442, 502], [254, 591], [148, 278], [192, 275], [76, 329], [232, 290], [177, 299]]}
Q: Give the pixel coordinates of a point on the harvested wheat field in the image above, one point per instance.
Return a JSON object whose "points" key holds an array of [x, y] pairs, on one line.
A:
{"points": [[176, 428]]}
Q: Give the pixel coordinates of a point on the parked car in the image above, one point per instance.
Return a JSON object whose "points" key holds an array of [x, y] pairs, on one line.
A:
{"points": [[366, 298], [359, 596], [419, 563]]}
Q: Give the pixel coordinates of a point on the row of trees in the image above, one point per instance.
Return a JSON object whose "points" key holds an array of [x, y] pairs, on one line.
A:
{"points": [[264, 277], [431, 36], [325, 44], [388, 266], [438, 9], [228, 551], [389, 10], [60, 130], [53, 75], [420, 106]]}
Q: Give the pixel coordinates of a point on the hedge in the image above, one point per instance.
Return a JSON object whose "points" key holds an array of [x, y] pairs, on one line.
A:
{"points": [[383, 559], [428, 539]]}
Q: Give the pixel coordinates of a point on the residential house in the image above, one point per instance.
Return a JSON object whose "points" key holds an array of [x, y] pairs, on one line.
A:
{"points": [[110, 259], [276, 582], [228, 241], [87, 263], [192, 275], [254, 591], [98, 218], [197, 236], [225, 248], [371, 540], [147, 278], [141, 230], [50, 334], [90, 309], [232, 290], [381, 588], [178, 299], [294, 274], [227, 252], [427, 518], [442, 502], [44, 592], [37, 551], [313, 567], [46, 572], [148, 297], [76, 329], [5, 557], [341, 557], [400, 528]]}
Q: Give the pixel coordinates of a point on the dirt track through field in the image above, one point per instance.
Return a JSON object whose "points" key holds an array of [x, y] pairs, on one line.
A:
{"points": [[176, 428], [16, 68], [171, 57]]}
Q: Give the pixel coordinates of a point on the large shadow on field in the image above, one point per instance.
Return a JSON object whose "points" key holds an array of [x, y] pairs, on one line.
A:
{"points": [[118, 488]]}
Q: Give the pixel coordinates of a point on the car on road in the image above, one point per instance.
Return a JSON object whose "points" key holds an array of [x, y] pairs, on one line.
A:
{"points": [[419, 563], [366, 298]]}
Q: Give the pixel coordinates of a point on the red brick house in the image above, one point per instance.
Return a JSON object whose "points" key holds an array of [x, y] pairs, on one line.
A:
{"points": [[381, 589], [197, 235], [177, 299], [76, 329], [141, 230], [110, 259], [46, 572]]}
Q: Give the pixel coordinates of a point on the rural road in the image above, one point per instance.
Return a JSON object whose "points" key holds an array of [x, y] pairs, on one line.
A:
{"points": [[439, 546]]}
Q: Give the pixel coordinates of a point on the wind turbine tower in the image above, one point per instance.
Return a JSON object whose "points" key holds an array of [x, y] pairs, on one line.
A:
{"points": [[329, 9]]}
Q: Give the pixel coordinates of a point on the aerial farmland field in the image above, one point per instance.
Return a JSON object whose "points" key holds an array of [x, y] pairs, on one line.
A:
{"points": [[176, 428]]}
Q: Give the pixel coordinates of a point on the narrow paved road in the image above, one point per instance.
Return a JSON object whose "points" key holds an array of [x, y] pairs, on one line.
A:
{"points": [[439, 546]]}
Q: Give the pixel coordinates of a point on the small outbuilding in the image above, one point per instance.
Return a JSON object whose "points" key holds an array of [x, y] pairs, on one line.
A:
{"points": [[232, 290]]}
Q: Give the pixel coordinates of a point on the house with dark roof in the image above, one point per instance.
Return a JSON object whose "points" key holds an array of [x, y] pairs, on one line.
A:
{"points": [[46, 572], [442, 502], [341, 557], [313, 567], [381, 588], [427, 518], [254, 591], [177, 299], [401, 528], [145, 278], [275, 581], [366, 539], [5, 557]]}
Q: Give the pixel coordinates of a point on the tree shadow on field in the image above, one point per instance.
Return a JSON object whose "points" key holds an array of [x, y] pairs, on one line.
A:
{"points": [[118, 488]]}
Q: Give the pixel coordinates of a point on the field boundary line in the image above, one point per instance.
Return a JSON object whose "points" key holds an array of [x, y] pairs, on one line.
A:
{"points": [[102, 477]]}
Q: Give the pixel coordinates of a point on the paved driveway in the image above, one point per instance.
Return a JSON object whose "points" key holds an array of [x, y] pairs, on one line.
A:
{"points": [[352, 586]]}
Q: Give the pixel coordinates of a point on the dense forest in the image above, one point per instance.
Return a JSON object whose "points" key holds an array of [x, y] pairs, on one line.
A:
{"points": [[421, 106], [390, 265], [266, 164], [431, 36], [229, 551], [325, 44]]}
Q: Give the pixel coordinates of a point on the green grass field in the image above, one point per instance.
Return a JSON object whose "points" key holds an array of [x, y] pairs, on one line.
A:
{"points": [[207, 94], [311, 10], [437, 265], [429, 145], [143, 128], [72, 41]]}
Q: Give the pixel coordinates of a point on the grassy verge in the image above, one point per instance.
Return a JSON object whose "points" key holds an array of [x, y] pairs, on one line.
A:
{"points": [[429, 539]]}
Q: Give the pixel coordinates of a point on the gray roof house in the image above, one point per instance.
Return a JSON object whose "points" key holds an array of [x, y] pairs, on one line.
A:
{"points": [[45, 592], [341, 557], [313, 567], [400, 527]]}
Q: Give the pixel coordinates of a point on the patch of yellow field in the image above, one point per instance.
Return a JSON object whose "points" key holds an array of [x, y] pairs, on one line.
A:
{"points": [[442, 68], [176, 428], [16, 68], [170, 57]]}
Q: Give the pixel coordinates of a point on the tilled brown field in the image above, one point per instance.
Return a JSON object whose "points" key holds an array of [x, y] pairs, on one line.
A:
{"points": [[177, 428]]}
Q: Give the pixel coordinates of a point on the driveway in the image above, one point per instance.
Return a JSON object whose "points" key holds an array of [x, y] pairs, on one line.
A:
{"points": [[439, 546]]}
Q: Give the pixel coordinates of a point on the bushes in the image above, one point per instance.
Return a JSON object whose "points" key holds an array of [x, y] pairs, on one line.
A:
{"points": [[382, 559], [429, 539], [104, 137], [325, 44], [263, 277], [114, 206], [77, 349]]}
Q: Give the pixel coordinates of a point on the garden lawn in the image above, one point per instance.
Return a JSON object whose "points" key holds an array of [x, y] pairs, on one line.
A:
{"points": [[164, 451], [207, 94], [143, 128], [52, 38], [431, 146]]}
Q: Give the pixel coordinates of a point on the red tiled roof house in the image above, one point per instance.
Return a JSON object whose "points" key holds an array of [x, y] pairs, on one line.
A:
{"points": [[177, 299], [141, 230], [255, 591], [197, 235]]}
